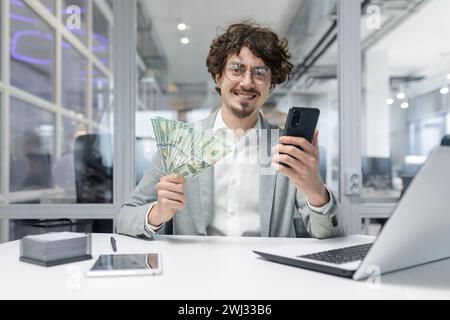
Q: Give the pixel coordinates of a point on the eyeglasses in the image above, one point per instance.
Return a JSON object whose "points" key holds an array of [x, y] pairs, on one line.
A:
{"points": [[235, 71]]}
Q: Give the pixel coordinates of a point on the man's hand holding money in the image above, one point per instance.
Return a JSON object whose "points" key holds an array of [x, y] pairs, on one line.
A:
{"points": [[170, 191]]}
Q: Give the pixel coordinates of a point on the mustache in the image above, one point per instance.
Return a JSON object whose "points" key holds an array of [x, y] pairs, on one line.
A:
{"points": [[251, 90]]}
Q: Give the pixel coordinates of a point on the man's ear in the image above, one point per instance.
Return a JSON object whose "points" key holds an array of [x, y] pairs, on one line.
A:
{"points": [[272, 87], [218, 79]]}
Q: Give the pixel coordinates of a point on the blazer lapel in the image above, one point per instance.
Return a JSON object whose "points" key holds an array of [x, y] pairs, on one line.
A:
{"points": [[266, 191], [206, 192], [266, 180], [206, 182]]}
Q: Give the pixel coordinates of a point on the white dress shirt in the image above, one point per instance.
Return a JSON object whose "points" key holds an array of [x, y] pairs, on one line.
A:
{"points": [[236, 185]]}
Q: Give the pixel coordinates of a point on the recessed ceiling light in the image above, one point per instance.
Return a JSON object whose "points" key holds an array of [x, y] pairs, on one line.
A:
{"points": [[401, 95], [444, 90], [185, 40], [181, 26], [404, 105], [389, 101]]}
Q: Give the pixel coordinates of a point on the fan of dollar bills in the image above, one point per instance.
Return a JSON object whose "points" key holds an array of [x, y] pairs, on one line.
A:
{"points": [[186, 150]]}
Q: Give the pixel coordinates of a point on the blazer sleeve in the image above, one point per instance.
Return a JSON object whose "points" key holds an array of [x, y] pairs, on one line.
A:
{"points": [[132, 216], [321, 225]]}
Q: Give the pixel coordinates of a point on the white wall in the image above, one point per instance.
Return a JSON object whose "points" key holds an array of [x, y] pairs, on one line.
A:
{"points": [[377, 113]]}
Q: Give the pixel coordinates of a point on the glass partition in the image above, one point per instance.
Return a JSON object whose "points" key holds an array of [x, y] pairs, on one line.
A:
{"points": [[405, 106], [32, 147], [60, 134], [32, 60]]}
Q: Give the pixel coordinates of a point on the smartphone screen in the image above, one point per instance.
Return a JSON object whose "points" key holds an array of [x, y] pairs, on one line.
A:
{"points": [[126, 264]]}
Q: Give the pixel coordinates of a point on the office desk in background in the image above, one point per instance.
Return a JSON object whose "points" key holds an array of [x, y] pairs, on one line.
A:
{"points": [[212, 268]]}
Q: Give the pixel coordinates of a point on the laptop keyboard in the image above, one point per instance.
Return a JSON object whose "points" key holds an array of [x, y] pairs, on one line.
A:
{"points": [[342, 255]]}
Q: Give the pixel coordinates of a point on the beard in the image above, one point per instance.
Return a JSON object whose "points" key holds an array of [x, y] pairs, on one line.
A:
{"points": [[242, 111]]}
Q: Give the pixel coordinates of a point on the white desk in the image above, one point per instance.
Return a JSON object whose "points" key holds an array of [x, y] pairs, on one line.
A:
{"points": [[211, 268]]}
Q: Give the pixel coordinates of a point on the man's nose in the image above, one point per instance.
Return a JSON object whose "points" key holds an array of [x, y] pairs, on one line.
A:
{"points": [[247, 79]]}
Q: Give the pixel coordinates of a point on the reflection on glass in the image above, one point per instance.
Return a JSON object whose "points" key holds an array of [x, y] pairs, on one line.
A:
{"points": [[75, 11], [404, 106], [152, 261], [101, 35], [63, 170], [31, 52], [74, 74], [126, 262], [101, 97], [31, 147]]}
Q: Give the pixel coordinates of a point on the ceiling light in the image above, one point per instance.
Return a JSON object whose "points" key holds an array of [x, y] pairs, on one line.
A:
{"points": [[181, 26], [444, 90], [448, 76], [389, 101], [401, 95], [404, 105], [184, 40]]}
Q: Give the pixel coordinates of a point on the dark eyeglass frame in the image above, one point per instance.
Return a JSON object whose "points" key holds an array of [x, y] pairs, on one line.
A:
{"points": [[242, 69]]}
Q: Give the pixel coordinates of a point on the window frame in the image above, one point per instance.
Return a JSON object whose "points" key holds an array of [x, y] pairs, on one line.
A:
{"points": [[124, 9]]}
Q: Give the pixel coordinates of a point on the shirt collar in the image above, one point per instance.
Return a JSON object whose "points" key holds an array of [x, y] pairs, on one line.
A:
{"points": [[220, 124]]}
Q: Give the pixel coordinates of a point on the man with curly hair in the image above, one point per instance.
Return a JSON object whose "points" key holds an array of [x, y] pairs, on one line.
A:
{"points": [[233, 198]]}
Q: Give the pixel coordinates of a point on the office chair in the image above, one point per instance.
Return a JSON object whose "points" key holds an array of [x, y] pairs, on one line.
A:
{"points": [[445, 140], [93, 168], [94, 174]]}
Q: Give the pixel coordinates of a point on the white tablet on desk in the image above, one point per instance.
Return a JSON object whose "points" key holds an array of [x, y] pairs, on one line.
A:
{"points": [[126, 265]]}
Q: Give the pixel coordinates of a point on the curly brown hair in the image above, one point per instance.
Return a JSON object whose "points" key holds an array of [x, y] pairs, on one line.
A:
{"points": [[263, 42]]}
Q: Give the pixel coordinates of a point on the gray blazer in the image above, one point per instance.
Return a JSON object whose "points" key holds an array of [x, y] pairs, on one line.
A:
{"points": [[283, 210]]}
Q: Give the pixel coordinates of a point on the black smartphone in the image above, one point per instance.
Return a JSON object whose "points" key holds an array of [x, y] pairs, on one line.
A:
{"points": [[301, 122]]}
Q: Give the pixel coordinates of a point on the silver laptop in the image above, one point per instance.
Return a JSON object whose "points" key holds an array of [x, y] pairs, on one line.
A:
{"points": [[417, 232]]}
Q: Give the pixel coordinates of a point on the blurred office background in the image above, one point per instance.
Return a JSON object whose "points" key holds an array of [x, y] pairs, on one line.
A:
{"points": [[56, 92]]}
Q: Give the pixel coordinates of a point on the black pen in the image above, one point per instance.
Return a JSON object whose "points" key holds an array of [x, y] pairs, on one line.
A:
{"points": [[113, 244]]}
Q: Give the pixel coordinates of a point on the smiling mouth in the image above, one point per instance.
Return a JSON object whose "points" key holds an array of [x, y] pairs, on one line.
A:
{"points": [[245, 95]]}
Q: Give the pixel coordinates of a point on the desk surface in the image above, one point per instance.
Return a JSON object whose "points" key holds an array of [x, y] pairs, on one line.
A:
{"points": [[212, 268]]}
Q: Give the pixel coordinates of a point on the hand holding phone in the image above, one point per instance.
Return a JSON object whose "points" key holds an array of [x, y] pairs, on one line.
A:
{"points": [[301, 162], [301, 122]]}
